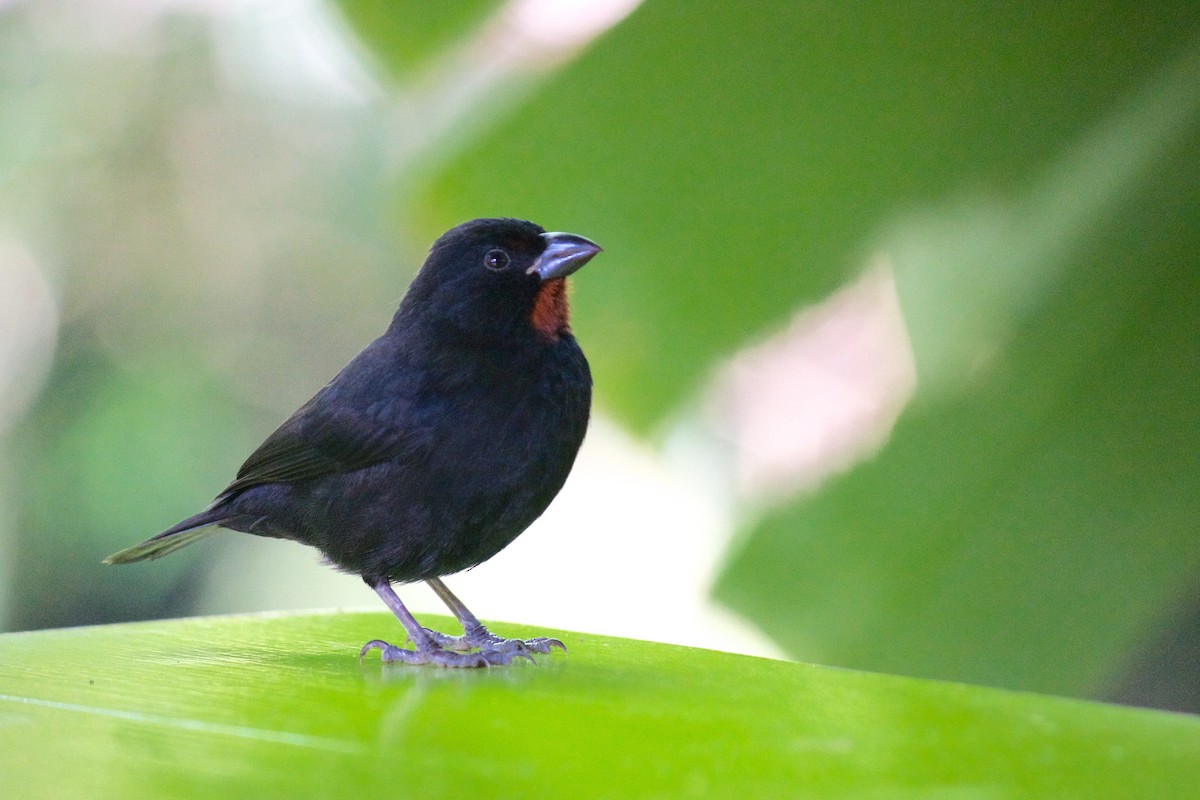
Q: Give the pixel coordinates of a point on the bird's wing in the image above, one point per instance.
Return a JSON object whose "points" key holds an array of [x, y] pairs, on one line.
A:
{"points": [[318, 440]]}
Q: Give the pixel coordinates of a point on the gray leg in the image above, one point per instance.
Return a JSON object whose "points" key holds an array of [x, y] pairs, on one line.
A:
{"points": [[475, 635], [426, 647]]}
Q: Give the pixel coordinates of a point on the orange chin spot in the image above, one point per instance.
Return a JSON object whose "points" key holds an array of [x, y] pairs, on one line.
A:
{"points": [[550, 316]]}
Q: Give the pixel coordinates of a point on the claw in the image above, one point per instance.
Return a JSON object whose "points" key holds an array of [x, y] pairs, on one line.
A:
{"points": [[374, 644]]}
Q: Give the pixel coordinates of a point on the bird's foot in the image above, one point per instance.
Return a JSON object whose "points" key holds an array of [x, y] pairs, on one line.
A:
{"points": [[442, 657], [481, 639]]}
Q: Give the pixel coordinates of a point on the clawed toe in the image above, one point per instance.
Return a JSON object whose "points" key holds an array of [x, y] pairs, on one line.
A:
{"points": [[544, 644], [541, 645], [484, 640]]}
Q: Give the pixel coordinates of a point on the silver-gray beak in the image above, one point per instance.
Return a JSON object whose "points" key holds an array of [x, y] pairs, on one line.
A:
{"points": [[564, 253]]}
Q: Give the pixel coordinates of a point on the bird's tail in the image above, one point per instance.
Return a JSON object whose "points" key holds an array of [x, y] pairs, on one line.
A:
{"points": [[171, 539]]}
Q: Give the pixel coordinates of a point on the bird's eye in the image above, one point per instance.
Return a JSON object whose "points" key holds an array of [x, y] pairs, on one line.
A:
{"points": [[496, 259]]}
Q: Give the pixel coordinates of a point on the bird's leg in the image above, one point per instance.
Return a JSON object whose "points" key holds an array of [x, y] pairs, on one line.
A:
{"points": [[475, 635], [426, 647]]}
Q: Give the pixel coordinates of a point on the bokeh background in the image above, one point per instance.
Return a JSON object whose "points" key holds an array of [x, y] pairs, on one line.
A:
{"points": [[896, 337]]}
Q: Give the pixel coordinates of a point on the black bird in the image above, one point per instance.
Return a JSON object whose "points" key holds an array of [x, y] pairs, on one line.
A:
{"points": [[438, 444]]}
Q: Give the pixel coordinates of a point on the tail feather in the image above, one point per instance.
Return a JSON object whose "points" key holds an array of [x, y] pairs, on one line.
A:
{"points": [[170, 540]]}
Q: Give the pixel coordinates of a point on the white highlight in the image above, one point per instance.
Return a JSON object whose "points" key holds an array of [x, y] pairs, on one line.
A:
{"points": [[28, 330], [820, 395], [194, 725], [565, 24]]}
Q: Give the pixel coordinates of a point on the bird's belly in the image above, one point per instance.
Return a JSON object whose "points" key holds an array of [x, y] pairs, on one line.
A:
{"points": [[412, 521]]}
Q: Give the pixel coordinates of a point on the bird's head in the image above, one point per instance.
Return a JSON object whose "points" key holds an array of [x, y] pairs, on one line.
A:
{"points": [[492, 279]]}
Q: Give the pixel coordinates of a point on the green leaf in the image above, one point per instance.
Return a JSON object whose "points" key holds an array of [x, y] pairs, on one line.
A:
{"points": [[1035, 511], [281, 706]]}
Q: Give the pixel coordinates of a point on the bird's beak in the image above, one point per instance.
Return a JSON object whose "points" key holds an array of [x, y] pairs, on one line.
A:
{"points": [[564, 253]]}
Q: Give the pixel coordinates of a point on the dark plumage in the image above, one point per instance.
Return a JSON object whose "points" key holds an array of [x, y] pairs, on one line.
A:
{"points": [[439, 443]]}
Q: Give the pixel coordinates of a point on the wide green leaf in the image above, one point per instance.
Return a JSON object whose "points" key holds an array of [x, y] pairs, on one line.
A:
{"points": [[281, 706], [1035, 510]]}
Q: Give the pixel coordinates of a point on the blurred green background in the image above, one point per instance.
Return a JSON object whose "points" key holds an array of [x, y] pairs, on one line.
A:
{"points": [[896, 338]]}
